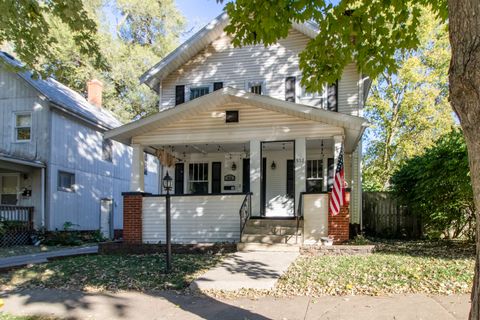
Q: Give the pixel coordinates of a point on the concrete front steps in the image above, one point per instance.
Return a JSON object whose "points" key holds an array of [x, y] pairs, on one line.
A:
{"points": [[271, 235]]}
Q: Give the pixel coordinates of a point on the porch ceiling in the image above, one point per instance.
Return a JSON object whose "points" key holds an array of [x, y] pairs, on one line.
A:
{"points": [[352, 126]]}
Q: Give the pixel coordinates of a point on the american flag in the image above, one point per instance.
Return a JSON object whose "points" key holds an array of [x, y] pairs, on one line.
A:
{"points": [[338, 191]]}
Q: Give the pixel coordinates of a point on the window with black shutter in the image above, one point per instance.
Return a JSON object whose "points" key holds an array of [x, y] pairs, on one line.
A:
{"points": [[332, 97], [217, 85], [290, 89], [179, 95]]}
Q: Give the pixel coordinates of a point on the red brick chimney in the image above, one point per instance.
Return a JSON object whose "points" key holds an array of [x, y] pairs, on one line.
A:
{"points": [[94, 92]]}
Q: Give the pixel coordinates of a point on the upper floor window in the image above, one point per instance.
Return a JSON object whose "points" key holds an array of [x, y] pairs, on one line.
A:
{"points": [[197, 92], [257, 87], [107, 150], [23, 127]]}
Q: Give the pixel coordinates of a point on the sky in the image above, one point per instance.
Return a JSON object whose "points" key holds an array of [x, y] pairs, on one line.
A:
{"points": [[198, 13]]}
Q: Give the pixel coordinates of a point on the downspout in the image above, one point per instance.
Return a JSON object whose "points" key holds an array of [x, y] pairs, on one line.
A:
{"points": [[42, 197]]}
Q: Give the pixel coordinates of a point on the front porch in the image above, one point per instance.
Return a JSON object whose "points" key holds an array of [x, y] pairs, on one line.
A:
{"points": [[273, 152]]}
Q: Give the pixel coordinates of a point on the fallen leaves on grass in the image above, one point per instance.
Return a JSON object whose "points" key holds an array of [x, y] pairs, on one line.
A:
{"points": [[112, 272]]}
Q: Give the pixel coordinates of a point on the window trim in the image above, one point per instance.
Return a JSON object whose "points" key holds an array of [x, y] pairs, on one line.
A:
{"points": [[17, 187], [255, 82], [65, 189], [15, 135]]}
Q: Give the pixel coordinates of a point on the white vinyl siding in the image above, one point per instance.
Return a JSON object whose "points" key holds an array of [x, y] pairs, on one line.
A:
{"points": [[236, 67], [209, 125], [196, 219]]}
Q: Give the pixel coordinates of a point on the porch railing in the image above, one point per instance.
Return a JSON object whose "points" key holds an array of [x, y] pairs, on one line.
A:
{"points": [[16, 218], [245, 211], [299, 215]]}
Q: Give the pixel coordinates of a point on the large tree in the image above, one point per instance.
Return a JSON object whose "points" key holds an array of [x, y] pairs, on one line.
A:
{"points": [[370, 32], [409, 109], [26, 26], [133, 35], [129, 35]]}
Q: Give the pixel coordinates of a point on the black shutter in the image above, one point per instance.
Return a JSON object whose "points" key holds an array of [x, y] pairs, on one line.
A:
{"points": [[179, 175], [332, 97], [179, 95], [246, 175], [216, 177], [290, 179], [290, 89], [217, 85]]}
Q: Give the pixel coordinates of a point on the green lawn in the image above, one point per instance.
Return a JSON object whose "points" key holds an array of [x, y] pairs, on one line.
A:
{"points": [[111, 272], [396, 267]]}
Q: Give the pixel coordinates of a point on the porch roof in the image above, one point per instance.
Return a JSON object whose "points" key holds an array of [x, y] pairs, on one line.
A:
{"points": [[353, 126]]}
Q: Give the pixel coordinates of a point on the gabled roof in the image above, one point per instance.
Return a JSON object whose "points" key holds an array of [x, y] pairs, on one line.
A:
{"points": [[64, 98], [353, 126], [198, 42]]}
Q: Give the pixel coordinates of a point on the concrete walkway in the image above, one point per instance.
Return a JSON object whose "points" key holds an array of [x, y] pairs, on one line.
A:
{"points": [[249, 270], [17, 261], [168, 305]]}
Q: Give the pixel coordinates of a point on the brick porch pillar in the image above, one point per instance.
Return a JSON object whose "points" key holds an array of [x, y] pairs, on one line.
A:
{"points": [[132, 217], [338, 226]]}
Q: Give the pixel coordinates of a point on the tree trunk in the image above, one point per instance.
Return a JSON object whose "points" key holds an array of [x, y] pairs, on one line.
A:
{"points": [[464, 78]]}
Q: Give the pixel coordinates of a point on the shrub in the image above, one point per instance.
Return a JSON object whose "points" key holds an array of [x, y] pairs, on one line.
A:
{"points": [[437, 186]]}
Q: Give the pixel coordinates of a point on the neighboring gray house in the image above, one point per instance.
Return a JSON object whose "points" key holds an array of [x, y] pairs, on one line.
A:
{"points": [[53, 156]]}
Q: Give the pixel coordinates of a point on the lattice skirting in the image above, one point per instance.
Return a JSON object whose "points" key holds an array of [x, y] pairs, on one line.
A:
{"points": [[10, 239]]}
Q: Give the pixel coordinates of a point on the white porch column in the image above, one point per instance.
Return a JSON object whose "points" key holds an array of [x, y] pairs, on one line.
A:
{"points": [[325, 172], [337, 145], [255, 175], [137, 178], [300, 168]]}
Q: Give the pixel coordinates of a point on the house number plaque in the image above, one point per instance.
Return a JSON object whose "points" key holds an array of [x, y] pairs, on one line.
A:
{"points": [[229, 177]]}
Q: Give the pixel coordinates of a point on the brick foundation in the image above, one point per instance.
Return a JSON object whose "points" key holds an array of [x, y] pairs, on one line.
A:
{"points": [[339, 225], [132, 217]]}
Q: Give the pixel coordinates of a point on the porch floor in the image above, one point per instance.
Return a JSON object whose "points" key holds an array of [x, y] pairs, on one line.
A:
{"points": [[246, 270]]}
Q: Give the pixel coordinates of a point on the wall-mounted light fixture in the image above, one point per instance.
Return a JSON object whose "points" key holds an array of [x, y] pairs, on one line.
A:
{"points": [[234, 166], [273, 166]]}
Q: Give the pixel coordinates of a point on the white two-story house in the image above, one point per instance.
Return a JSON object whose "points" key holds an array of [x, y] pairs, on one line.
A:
{"points": [[244, 142], [55, 165]]}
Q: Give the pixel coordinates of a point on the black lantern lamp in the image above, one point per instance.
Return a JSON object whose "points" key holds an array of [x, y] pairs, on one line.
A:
{"points": [[274, 165], [234, 166], [167, 183]]}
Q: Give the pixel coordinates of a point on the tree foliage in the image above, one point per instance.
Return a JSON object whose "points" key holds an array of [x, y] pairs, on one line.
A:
{"points": [[27, 26], [408, 110], [366, 32], [132, 36], [437, 185]]}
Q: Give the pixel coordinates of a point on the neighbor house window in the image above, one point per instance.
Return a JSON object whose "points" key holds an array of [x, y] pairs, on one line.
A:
{"points": [[197, 92], [23, 126], [9, 184], [257, 87], [198, 178], [66, 181], [314, 175], [107, 149]]}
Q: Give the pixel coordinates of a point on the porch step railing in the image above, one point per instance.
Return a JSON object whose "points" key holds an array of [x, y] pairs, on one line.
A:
{"points": [[299, 215], [245, 212], [16, 225]]}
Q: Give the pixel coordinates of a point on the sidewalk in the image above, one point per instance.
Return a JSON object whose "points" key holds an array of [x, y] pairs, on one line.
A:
{"points": [[169, 305], [250, 270], [16, 261]]}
